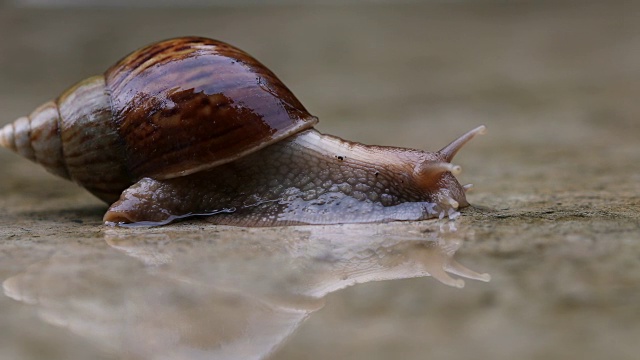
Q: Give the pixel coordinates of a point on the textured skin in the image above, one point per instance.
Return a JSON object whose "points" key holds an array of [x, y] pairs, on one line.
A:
{"points": [[307, 179]]}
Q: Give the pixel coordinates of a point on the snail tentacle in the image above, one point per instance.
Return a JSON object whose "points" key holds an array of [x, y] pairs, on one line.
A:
{"points": [[449, 151]]}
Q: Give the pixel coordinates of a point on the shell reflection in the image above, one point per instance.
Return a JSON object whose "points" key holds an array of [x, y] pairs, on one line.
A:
{"points": [[222, 293]]}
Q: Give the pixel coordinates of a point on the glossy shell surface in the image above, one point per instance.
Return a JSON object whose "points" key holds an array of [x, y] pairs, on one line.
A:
{"points": [[189, 104]]}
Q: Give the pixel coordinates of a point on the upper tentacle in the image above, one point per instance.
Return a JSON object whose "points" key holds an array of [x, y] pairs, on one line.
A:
{"points": [[449, 151]]}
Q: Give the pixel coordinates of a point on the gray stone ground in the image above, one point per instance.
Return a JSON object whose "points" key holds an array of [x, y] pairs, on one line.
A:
{"points": [[556, 216]]}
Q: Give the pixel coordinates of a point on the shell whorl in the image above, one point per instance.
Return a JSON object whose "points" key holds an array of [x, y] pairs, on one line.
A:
{"points": [[37, 138], [72, 137]]}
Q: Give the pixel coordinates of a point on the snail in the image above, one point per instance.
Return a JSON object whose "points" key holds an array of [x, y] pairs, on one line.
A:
{"points": [[193, 126]]}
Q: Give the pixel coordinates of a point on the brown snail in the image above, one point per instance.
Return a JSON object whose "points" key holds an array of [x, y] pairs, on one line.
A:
{"points": [[193, 126]]}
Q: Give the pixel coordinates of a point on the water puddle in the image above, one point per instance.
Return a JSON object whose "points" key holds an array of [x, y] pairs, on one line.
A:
{"points": [[193, 292]]}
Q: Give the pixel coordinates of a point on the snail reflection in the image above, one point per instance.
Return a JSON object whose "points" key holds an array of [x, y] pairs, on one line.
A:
{"points": [[228, 294]]}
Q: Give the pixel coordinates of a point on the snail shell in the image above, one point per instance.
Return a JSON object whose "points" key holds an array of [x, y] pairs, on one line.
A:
{"points": [[194, 126], [170, 109]]}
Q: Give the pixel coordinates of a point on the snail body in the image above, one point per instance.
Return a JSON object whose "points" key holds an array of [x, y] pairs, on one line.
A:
{"points": [[193, 126]]}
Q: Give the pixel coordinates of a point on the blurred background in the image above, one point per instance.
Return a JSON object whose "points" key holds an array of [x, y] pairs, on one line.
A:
{"points": [[556, 83], [447, 64]]}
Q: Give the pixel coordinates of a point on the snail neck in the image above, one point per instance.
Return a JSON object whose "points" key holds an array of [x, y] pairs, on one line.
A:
{"points": [[340, 150]]}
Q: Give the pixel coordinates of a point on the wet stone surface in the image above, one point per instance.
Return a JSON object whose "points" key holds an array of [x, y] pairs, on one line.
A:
{"points": [[555, 219]]}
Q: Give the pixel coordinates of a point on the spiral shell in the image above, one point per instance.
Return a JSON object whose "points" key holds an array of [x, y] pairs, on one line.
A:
{"points": [[170, 109]]}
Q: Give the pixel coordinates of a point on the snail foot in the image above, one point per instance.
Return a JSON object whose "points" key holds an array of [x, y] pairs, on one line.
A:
{"points": [[142, 204]]}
